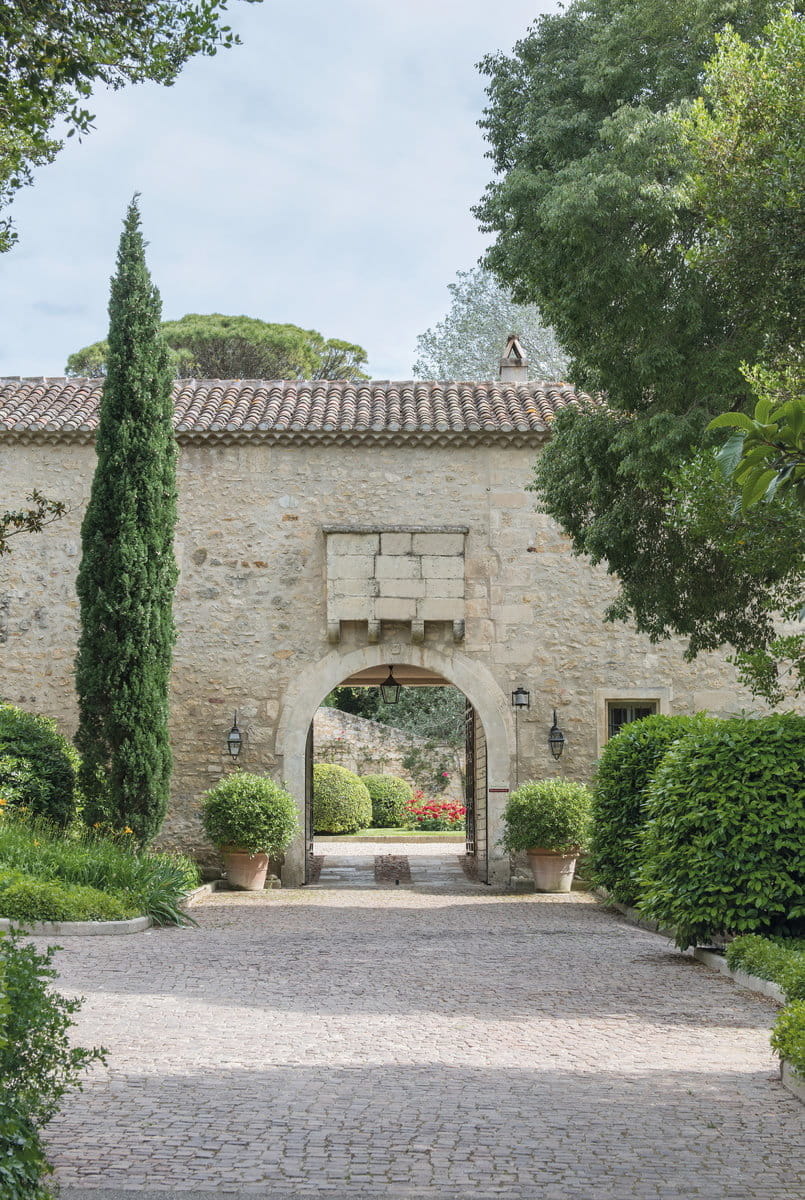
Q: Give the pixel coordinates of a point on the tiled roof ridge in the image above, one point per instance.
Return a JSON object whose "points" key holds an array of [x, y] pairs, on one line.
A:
{"points": [[66, 408]]}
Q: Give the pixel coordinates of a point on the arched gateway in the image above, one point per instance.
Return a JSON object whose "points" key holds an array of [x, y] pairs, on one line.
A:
{"points": [[488, 712], [327, 529]]}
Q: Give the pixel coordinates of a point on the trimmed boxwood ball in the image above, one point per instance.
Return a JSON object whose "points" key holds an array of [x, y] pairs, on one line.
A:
{"points": [[621, 783], [724, 844], [389, 798], [341, 802], [554, 814], [249, 812], [38, 766]]}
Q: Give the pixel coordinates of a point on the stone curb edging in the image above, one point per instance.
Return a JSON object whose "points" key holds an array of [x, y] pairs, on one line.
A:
{"points": [[789, 1078], [76, 928], [750, 983]]}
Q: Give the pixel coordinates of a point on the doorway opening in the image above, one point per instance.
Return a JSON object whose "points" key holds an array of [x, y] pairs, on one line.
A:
{"points": [[434, 740]]}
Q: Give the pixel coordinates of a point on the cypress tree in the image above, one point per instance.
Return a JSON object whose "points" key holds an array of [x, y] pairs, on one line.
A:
{"points": [[128, 572]]}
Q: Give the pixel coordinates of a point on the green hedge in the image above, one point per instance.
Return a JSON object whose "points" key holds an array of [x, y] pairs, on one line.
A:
{"points": [[250, 812], [788, 1035], [724, 850], [29, 898], [38, 766], [389, 798], [551, 813], [620, 787], [341, 802], [779, 960], [23, 1165]]}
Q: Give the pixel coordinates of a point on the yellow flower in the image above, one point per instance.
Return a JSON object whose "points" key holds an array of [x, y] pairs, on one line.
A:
{"points": [[97, 825], [36, 843], [3, 802], [127, 830]]}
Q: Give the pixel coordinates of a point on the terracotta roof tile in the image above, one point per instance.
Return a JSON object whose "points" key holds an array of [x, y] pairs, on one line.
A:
{"points": [[269, 410]]}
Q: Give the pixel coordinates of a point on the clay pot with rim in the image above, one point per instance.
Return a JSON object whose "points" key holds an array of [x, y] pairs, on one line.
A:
{"points": [[553, 870], [244, 870]]}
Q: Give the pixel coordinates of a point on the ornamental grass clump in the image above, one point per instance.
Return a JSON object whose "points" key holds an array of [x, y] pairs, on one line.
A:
{"points": [[389, 797], [724, 847], [150, 883], [341, 802], [251, 813], [552, 814], [780, 960]]}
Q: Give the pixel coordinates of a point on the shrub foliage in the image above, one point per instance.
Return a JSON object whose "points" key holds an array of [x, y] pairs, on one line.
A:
{"points": [[341, 802], [38, 766], [723, 845], [389, 797], [620, 787], [554, 814], [250, 812], [781, 960], [37, 1063], [29, 898], [788, 1035]]}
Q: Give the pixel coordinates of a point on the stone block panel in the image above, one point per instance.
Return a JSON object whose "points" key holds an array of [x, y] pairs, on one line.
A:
{"points": [[395, 543], [339, 544], [438, 543], [442, 566]]}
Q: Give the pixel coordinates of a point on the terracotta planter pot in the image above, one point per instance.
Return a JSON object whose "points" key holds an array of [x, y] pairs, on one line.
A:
{"points": [[243, 870], [552, 870]]}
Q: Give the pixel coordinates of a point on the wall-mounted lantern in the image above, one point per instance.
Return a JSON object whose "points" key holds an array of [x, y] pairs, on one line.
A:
{"points": [[234, 739], [556, 739], [390, 689], [520, 699]]}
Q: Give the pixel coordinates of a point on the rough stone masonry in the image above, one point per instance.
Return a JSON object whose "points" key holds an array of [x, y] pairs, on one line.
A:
{"points": [[327, 530]]}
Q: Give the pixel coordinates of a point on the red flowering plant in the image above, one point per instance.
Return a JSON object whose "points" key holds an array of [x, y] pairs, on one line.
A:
{"points": [[425, 815]]}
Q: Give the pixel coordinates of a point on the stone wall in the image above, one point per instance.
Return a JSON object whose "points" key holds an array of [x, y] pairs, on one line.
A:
{"points": [[251, 609], [372, 748]]}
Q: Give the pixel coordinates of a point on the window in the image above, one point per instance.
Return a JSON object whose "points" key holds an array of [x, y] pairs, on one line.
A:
{"points": [[621, 712]]}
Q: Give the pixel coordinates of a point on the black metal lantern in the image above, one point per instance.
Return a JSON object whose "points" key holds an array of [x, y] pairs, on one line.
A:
{"points": [[556, 739], [390, 689], [234, 739], [521, 698]]}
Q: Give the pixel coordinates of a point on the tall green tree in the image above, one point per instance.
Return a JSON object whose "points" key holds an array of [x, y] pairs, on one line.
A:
{"points": [[54, 52], [128, 573], [215, 346], [605, 210], [468, 343]]}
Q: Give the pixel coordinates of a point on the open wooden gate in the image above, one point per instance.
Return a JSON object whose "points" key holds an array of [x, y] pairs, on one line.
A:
{"points": [[476, 792], [309, 805]]}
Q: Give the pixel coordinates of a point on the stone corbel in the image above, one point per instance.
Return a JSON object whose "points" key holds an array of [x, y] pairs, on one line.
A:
{"points": [[373, 634], [334, 632], [417, 632], [458, 631]]}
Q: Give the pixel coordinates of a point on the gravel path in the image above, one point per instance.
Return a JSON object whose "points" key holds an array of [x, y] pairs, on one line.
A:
{"points": [[398, 1043]]}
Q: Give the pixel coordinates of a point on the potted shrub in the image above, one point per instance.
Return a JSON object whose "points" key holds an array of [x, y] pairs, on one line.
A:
{"points": [[550, 819], [249, 818]]}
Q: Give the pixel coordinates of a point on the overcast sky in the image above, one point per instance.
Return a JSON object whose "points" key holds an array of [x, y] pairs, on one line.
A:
{"points": [[321, 174]]}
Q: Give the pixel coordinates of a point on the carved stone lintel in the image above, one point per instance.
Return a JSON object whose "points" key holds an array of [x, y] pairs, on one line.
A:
{"points": [[458, 631], [373, 634], [334, 632], [417, 632]]}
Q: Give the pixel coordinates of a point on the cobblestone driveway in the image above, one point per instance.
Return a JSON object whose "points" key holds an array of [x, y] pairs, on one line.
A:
{"points": [[420, 1043]]}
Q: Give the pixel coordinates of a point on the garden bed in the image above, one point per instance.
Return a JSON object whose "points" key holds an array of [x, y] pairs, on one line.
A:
{"points": [[393, 835]]}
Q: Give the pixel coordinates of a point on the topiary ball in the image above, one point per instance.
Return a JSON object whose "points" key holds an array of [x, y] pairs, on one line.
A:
{"points": [[389, 795], [38, 766], [341, 802], [249, 812]]}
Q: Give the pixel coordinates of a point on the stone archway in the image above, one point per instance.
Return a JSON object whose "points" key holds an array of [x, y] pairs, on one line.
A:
{"points": [[308, 689]]}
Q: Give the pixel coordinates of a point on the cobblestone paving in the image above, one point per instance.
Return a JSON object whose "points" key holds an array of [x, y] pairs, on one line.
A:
{"points": [[418, 1042]]}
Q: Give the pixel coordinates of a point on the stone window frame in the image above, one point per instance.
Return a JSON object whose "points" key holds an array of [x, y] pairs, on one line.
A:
{"points": [[661, 696]]}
